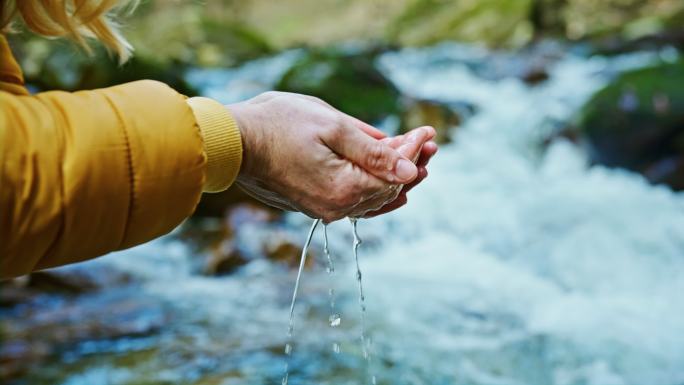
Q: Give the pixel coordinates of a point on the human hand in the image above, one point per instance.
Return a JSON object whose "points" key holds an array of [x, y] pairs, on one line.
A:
{"points": [[428, 150], [301, 154]]}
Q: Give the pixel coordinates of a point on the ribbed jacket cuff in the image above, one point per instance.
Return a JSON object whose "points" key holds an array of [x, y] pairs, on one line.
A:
{"points": [[222, 143]]}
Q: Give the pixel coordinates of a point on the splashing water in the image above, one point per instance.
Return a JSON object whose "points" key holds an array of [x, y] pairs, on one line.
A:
{"points": [[290, 328]]}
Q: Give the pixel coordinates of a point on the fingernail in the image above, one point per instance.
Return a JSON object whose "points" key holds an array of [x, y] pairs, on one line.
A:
{"points": [[405, 170], [413, 137]]}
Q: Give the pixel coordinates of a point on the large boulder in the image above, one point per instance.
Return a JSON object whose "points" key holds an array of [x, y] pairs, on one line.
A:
{"points": [[442, 117], [346, 79], [637, 122]]}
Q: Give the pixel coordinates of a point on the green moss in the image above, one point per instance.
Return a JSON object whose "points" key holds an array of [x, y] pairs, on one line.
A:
{"points": [[632, 101], [637, 122], [349, 82]]}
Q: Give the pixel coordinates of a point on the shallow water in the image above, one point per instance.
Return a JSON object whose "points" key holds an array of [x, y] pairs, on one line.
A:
{"points": [[512, 264]]}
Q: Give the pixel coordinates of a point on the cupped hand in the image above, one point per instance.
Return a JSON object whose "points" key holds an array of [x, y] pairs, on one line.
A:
{"points": [[428, 150], [300, 154]]}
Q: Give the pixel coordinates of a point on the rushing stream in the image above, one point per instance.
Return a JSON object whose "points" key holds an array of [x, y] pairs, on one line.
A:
{"points": [[514, 263]]}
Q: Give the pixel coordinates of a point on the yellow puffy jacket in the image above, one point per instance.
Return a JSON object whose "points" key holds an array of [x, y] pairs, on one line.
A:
{"points": [[86, 173]]}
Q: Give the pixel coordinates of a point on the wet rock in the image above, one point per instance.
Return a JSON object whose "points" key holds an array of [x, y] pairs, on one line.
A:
{"points": [[220, 250], [224, 259], [207, 232], [15, 356], [15, 291], [67, 281], [534, 75], [346, 79], [280, 246], [111, 315], [56, 325], [431, 113], [637, 122]]}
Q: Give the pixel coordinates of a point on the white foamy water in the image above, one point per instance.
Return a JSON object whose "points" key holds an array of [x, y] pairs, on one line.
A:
{"points": [[514, 266]]}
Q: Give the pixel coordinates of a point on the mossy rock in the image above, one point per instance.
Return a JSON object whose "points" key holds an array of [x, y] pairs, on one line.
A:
{"points": [[637, 122], [348, 81], [439, 115]]}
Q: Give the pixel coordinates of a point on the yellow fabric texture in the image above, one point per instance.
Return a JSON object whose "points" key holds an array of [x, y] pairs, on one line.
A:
{"points": [[86, 173], [222, 142]]}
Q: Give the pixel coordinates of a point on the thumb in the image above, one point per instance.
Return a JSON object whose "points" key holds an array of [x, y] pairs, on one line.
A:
{"points": [[373, 155], [412, 143]]}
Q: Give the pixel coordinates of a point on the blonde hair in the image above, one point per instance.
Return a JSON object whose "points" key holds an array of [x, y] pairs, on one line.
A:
{"points": [[79, 20]]}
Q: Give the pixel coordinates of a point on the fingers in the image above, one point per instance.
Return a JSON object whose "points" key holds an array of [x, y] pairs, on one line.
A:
{"points": [[426, 153], [367, 128], [400, 200], [422, 174], [413, 141], [374, 156]]}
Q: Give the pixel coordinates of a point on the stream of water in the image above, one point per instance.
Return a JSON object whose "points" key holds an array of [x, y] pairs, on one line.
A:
{"points": [[334, 319], [290, 327]]}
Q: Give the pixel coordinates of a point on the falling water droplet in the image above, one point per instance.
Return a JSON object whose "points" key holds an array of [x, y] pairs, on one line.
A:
{"points": [[288, 349], [331, 266], [335, 320], [362, 298], [373, 380]]}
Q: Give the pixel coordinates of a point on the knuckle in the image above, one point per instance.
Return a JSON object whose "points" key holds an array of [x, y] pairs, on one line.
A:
{"points": [[339, 121], [335, 131], [377, 156]]}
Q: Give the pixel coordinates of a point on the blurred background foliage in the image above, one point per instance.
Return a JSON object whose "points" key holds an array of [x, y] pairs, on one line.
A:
{"points": [[168, 33]]}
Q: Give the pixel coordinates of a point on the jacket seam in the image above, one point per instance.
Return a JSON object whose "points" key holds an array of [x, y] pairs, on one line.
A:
{"points": [[57, 114], [131, 170]]}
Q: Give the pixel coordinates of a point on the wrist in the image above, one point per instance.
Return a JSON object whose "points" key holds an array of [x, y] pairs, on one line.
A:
{"points": [[243, 115]]}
